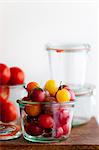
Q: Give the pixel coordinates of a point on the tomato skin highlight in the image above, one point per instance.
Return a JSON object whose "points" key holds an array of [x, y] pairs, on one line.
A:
{"points": [[4, 92]]}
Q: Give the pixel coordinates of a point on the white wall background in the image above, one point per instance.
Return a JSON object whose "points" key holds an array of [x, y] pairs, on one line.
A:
{"points": [[26, 26]]}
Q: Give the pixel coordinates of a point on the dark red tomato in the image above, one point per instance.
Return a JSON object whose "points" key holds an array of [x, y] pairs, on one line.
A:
{"points": [[46, 121], [4, 74], [26, 99], [17, 76], [34, 130], [4, 92], [8, 112]]}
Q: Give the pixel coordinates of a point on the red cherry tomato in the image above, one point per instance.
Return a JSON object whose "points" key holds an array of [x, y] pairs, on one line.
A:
{"points": [[72, 94], [4, 92], [2, 103], [8, 112], [38, 95], [4, 74], [26, 98], [65, 129], [59, 132], [34, 130], [46, 121], [63, 116], [17, 76]]}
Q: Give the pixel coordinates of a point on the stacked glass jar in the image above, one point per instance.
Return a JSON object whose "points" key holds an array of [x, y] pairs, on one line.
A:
{"points": [[68, 63]]}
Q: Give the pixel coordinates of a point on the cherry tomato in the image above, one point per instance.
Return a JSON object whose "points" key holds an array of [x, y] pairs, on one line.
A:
{"points": [[33, 110], [17, 76], [26, 98], [72, 94], [8, 112], [46, 121], [63, 116], [59, 132], [31, 86], [4, 92], [4, 74], [34, 130], [65, 129], [2, 103]]}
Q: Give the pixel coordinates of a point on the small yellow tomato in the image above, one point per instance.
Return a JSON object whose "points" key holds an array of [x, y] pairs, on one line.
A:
{"points": [[63, 95], [51, 87]]}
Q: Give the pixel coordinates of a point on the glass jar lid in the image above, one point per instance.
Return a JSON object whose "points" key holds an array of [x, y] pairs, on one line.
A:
{"points": [[73, 47]]}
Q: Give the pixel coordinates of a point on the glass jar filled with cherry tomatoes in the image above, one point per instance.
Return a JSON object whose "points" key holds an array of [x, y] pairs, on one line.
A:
{"points": [[47, 113], [11, 89], [46, 122]]}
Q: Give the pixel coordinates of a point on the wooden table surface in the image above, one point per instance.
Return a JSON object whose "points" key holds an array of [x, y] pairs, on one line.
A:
{"points": [[82, 137]]}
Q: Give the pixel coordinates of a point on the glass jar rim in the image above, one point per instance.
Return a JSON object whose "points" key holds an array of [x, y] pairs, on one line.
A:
{"points": [[13, 86], [69, 47], [82, 90], [71, 103]]}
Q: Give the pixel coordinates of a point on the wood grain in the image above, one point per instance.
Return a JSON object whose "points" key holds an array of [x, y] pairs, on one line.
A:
{"points": [[85, 137]]}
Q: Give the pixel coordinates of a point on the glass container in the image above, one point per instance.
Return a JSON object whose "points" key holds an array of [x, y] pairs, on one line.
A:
{"points": [[46, 122], [68, 62], [9, 111], [85, 103]]}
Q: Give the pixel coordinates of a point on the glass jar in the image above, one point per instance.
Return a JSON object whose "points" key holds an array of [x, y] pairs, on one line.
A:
{"points": [[85, 103], [68, 62], [9, 111], [46, 122]]}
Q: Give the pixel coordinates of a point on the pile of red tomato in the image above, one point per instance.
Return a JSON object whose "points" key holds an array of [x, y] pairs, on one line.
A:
{"points": [[9, 76]]}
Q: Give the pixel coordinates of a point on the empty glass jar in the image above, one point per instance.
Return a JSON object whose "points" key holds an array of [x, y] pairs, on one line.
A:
{"points": [[85, 103], [68, 62]]}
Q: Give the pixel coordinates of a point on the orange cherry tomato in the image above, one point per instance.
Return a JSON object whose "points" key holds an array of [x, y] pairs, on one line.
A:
{"points": [[32, 85], [33, 110]]}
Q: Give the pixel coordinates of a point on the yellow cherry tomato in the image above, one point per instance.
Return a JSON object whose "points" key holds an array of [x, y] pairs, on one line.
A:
{"points": [[63, 95], [51, 87]]}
